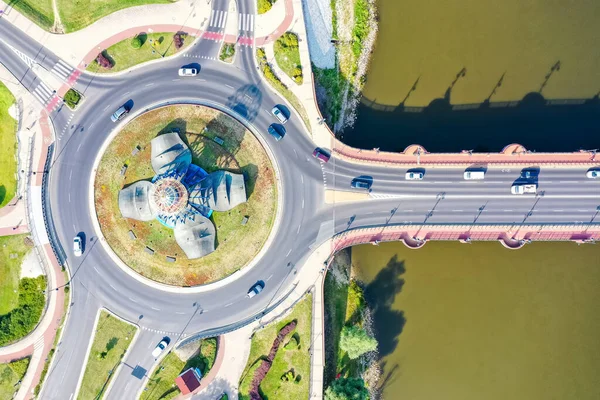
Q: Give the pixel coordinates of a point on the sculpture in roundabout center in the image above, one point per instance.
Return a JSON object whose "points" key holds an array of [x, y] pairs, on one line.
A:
{"points": [[182, 196]]}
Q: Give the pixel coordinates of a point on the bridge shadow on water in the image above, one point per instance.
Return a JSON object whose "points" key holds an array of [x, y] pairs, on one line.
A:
{"points": [[535, 122]]}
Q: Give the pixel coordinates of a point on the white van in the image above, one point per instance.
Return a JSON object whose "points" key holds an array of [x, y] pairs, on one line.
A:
{"points": [[474, 175]]}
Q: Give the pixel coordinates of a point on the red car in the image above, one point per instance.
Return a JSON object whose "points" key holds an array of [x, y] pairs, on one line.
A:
{"points": [[321, 154]]}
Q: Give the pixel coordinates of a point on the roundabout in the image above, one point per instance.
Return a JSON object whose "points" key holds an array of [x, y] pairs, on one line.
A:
{"points": [[232, 234]]}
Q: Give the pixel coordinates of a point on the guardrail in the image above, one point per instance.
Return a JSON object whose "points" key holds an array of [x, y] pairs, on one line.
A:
{"points": [[47, 211]]}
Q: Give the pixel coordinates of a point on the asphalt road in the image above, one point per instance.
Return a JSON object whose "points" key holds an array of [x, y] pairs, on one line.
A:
{"points": [[442, 197]]}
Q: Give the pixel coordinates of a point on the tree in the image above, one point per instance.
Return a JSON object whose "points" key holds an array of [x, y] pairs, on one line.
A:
{"points": [[355, 341], [136, 42], [347, 389]]}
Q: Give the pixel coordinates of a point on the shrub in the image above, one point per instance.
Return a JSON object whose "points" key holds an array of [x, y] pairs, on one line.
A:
{"points": [[136, 42], [264, 5], [293, 343], [21, 320], [104, 61], [178, 39], [72, 98]]}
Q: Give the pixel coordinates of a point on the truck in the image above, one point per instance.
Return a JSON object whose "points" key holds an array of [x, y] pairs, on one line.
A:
{"points": [[524, 188]]}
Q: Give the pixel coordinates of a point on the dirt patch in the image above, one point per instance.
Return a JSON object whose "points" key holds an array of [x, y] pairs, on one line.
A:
{"points": [[241, 152]]}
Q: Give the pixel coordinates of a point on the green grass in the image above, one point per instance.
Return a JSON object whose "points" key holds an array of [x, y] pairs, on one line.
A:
{"points": [[77, 15], [124, 55], [264, 5], [39, 11], [269, 74], [10, 374], [361, 26], [272, 386], [72, 98], [287, 56], [111, 340], [12, 251], [237, 245], [161, 385], [332, 83], [227, 52], [8, 147]]}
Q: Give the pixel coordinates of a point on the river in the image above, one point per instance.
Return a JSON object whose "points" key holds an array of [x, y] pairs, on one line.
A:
{"points": [[479, 74], [472, 322]]}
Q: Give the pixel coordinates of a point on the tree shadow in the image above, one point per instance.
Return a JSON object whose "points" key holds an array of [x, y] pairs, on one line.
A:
{"points": [[112, 343], [388, 377], [178, 125], [143, 37], [250, 172], [380, 295], [2, 193]]}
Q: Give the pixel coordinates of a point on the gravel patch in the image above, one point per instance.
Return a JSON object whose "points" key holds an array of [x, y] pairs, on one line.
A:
{"points": [[319, 30], [31, 267]]}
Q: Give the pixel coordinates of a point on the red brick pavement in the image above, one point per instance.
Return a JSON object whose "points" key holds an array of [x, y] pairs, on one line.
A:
{"points": [[283, 26]]}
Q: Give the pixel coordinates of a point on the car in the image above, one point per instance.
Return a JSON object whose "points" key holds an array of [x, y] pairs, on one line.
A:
{"points": [[188, 71], [593, 173], [278, 112], [414, 176], [277, 131], [360, 183], [256, 289], [160, 347], [529, 173], [321, 155], [120, 113], [77, 246]]}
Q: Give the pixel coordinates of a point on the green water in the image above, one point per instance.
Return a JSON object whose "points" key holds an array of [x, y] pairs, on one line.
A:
{"points": [[472, 322]]}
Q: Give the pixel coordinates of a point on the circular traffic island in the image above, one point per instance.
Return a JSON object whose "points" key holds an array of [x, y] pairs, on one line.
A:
{"points": [[185, 195]]}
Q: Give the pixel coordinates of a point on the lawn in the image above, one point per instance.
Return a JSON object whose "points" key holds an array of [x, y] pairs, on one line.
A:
{"points": [[237, 245], [227, 52], [287, 56], [267, 70], [154, 46], [12, 251], [11, 374], [111, 340], [286, 359], [39, 11], [160, 384], [77, 15], [8, 147]]}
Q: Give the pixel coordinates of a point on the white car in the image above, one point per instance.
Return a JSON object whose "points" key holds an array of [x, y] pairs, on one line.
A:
{"points": [[279, 114], [414, 176], [77, 246], [159, 348], [254, 290], [593, 174], [188, 71]]}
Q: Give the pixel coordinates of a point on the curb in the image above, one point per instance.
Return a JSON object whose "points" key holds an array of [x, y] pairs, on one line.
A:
{"points": [[162, 286]]}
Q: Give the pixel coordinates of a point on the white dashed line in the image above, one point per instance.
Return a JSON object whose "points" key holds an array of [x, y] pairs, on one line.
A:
{"points": [[288, 253], [227, 305], [149, 84], [229, 86], [299, 226], [114, 288], [96, 269], [302, 203], [134, 300], [154, 308], [270, 276], [179, 312]]}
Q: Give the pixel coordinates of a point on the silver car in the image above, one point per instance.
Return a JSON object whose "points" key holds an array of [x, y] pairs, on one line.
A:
{"points": [[188, 71], [279, 114]]}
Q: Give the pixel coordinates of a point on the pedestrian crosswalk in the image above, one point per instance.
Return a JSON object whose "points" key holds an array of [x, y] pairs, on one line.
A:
{"points": [[62, 70], [218, 19], [43, 93], [246, 23]]}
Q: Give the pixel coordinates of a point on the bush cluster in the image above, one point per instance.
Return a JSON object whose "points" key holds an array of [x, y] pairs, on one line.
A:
{"points": [[178, 39], [265, 365], [136, 42], [264, 5], [104, 61], [21, 320], [72, 98]]}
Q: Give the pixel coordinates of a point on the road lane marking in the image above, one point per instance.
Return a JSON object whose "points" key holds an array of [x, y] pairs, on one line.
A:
{"points": [[125, 94], [296, 153], [96, 269], [132, 299], [457, 210], [301, 176], [114, 288], [175, 80], [149, 84], [78, 147], [582, 210], [179, 312], [228, 304], [69, 197], [288, 253], [299, 226], [302, 202], [106, 108], [70, 174], [90, 127], [270, 276], [229, 86], [154, 308], [508, 210], [558, 210]]}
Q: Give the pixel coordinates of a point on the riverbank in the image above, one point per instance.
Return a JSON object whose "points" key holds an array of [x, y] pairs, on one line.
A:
{"points": [[338, 86]]}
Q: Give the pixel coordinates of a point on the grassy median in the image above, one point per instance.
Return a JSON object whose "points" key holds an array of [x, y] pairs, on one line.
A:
{"points": [[160, 383], [237, 244], [293, 356], [287, 55], [39, 11], [126, 53], [8, 147], [110, 342]]}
